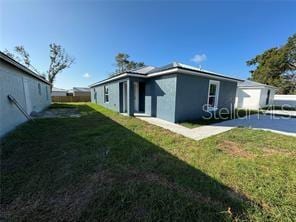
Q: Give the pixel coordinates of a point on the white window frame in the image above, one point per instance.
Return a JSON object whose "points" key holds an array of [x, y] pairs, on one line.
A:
{"points": [[217, 83], [106, 94]]}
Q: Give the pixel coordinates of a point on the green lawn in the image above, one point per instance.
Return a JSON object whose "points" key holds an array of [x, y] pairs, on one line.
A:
{"points": [[107, 167], [238, 113]]}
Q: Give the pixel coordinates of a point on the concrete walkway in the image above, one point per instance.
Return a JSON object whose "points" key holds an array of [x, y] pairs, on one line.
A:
{"points": [[196, 133]]}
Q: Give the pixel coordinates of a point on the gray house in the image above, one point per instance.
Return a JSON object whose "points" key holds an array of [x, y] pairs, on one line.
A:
{"points": [[175, 92], [30, 91]]}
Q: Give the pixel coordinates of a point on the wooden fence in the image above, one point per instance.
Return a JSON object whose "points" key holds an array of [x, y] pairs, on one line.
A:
{"points": [[64, 99]]}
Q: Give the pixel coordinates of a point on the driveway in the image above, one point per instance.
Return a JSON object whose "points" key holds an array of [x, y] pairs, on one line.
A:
{"points": [[277, 124], [291, 113]]}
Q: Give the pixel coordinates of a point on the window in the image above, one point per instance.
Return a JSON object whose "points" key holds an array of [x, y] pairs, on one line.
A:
{"points": [[106, 94], [39, 88], [95, 95], [213, 95]]}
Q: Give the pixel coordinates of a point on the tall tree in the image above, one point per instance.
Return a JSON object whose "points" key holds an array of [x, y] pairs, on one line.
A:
{"points": [[124, 64], [59, 60], [277, 66]]}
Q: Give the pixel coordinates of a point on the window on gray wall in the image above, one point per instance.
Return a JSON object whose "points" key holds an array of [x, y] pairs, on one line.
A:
{"points": [[106, 94], [39, 88], [95, 95]]}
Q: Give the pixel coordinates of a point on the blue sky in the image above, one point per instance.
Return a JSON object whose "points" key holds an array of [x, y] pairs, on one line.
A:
{"points": [[221, 36]]}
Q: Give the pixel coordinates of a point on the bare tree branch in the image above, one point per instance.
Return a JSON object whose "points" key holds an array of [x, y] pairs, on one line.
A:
{"points": [[59, 60]]}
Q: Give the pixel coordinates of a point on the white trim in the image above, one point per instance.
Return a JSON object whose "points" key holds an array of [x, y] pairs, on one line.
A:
{"points": [[106, 94], [217, 83], [257, 87], [166, 72]]}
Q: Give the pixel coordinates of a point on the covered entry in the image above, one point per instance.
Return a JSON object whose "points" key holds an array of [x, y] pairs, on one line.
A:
{"points": [[139, 97], [123, 96]]}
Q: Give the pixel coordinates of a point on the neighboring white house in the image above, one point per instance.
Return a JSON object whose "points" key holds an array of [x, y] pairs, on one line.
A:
{"points": [[30, 90], [254, 95], [58, 92], [81, 91]]}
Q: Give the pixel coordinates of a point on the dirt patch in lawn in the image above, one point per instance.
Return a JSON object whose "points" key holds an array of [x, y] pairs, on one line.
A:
{"points": [[234, 149], [58, 113]]}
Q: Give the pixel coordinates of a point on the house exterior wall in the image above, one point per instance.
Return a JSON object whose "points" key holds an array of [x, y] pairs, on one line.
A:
{"points": [[192, 95], [248, 98], [58, 93], [114, 99], [160, 98], [253, 98], [113, 95], [81, 93], [175, 97], [263, 97], [12, 82]]}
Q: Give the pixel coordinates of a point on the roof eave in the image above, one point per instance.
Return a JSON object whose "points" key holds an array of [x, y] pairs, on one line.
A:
{"points": [[168, 71], [22, 67]]}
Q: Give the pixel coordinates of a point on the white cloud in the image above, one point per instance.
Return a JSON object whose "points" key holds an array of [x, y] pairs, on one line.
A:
{"points": [[86, 75], [199, 58]]}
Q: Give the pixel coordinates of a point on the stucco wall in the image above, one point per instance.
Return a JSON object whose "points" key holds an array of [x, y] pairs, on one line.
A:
{"points": [[160, 99], [174, 98], [227, 94], [160, 96], [12, 82], [192, 94], [263, 97], [253, 98], [114, 101]]}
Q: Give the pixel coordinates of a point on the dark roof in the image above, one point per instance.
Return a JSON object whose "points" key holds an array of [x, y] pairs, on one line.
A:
{"points": [[190, 68], [147, 70], [18, 65]]}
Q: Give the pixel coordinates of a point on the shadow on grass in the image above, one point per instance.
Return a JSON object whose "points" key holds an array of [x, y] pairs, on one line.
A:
{"points": [[93, 168]]}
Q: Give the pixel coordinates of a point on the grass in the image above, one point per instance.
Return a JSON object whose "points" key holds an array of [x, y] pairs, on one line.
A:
{"points": [[238, 113], [107, 167]]}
